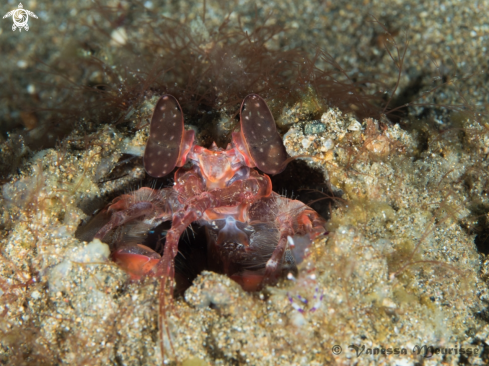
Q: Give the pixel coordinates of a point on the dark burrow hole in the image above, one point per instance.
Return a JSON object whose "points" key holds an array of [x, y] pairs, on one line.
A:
{"points": [[427, 121], [301, 182], [298, 181], [405, 96], [480, 228]]}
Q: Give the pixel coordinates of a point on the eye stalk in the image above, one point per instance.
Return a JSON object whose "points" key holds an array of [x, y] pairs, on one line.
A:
{"points": [[216, 165], [258, 143]]}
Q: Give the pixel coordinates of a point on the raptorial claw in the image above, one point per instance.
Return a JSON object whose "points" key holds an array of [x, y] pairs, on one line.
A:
{"points": [[137, 261]]}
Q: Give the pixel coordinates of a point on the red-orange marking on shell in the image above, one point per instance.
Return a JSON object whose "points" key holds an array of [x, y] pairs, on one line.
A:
{"points": [[136, 261]]}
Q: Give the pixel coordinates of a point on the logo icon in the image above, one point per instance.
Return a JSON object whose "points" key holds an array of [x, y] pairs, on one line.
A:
{"points": [[20, 17]]}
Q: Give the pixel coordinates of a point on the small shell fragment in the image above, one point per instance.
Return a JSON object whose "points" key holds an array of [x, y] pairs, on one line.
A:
{"points": [[118, 37], [354, 126], [306, 143], [328, 144]]}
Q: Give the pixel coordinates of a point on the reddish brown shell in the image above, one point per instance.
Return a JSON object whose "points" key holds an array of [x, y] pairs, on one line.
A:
{"points": [[259, 131]]}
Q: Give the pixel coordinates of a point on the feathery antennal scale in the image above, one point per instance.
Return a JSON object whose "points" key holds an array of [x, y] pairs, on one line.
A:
{"points": [[168, 143], [265, 146]]}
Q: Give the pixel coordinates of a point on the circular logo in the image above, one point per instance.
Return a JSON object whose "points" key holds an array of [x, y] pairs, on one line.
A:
{"points": [[336, 350], [20, 18]]}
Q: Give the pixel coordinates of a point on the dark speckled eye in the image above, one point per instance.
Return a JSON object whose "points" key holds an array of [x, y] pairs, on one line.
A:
{"points": [[260, 133], [165, 137]]}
